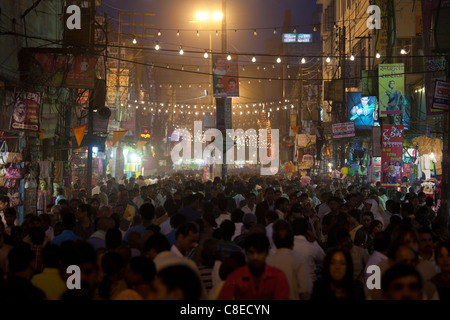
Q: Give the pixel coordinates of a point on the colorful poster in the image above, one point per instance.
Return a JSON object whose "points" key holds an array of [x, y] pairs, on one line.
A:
{"points": [[435, 64], [376, 169], [65, 70], [27, 111], [343, 130], [441, 98], [225, 76], [363, 111], [392, 155], [391, 88]]}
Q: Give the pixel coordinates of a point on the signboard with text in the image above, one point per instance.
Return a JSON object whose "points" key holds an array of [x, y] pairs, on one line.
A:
{"points": [[343, 130], [392, 155]]}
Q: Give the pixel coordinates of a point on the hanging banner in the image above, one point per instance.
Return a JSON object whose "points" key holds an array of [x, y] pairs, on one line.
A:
{"points": [[225, 76], [117, 135], [441, 98], [376, 142], [392, 155], [141, 144], [391, 88], [434, 64], [57, 171], [376, 169], [27, 111], [79, 133]]}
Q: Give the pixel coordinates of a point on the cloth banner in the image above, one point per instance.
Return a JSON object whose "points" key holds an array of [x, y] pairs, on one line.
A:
{"points": [[392, 155], [79, 133], [141, 144], [117, 135]]}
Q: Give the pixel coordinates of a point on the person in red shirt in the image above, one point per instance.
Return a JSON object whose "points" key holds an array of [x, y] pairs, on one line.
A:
{"points": [[256, 280]]}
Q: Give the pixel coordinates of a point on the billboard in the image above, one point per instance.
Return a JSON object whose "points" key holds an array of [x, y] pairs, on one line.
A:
{"points": [[297, 38], [225, 76], [441, 98], [362, 110], [392, 155], [27, 111], [70, 71], [391, 88], [343, 130]]}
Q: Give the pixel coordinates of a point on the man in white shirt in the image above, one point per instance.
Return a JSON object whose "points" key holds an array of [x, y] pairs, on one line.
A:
{"points": [[186, 239], [251, 206], [293, 264], [312, 251], [239, 197], [143, 194], [224, 214]]}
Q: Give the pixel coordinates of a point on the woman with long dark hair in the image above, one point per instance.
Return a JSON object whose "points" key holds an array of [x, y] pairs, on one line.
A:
{"points": [[337, 281]]}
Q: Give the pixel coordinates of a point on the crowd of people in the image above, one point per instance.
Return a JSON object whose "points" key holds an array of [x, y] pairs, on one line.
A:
{"points": [[249, 237]]}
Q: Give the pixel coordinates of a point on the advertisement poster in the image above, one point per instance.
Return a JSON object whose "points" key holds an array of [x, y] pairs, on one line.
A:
{"points": [[27, 111], [225, 76], [343, 130], [441, 98], [363, 111], [66, 70], [391, 88], [392, 155], [434, 64], [376, 170]]}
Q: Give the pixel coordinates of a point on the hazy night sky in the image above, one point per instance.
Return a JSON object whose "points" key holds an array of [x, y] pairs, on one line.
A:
{"points": [[176, 14]]}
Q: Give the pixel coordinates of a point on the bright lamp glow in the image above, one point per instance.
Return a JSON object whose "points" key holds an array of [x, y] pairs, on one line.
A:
{"points": [[378, 55], [157, 46], [133, 157], [94, 150], [328, 60], [278, 60], [125, 152], [303, 60], [217, 15], [202, 16], [206, 54], [253, 59], [228, 57]]}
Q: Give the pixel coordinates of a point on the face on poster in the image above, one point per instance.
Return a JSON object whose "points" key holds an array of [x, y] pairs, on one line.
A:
{"points": [[362, 110], [27, 110], [225, 76], [392, 155], [391, 88]]}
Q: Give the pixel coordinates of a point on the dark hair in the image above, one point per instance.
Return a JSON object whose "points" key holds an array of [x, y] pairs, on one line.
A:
{"points": [[4, 199], [184, 278], [222, 203], [112, 265], [373, 225], [20, 257], [143, 266], [283, 237], [11, 211], [237, 215], [355, 213], [51, 255], [400, 231], [69, 220], [37, 235], [113, 238], [348, 278], [381, 241], [439, 247], [258, 241], [227, 230], [399, 271], [271, 216], [147, 211], [280, 201], [77, 252], [368, 213], [300, 226], [177, 220], [186, 228], [158, 242]]}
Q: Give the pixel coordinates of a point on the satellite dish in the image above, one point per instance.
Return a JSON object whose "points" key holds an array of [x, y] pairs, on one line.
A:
{"points": [[104, 112]]}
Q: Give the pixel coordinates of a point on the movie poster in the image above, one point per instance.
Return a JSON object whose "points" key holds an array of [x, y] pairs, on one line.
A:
{"points": [[392, 155], [27, 111], [391, 88]]}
